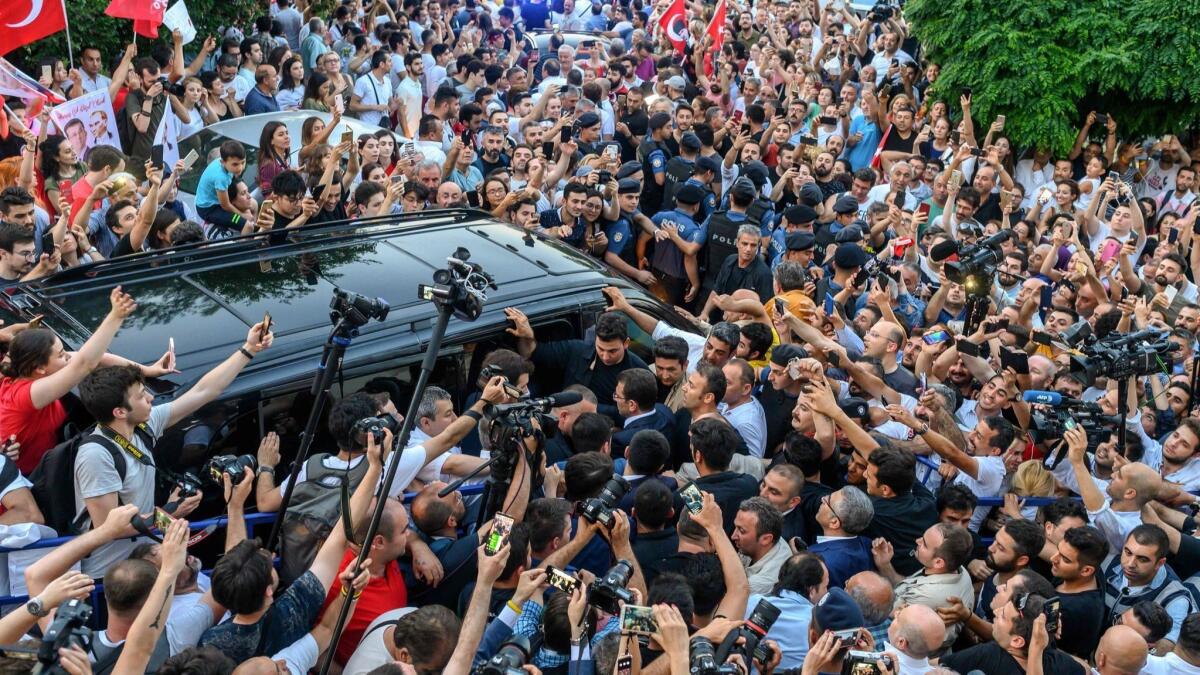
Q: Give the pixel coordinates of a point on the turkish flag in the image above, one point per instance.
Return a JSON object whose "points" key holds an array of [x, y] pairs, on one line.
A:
{"points": [[716, 32], [674, 24], [25, 21], [146, 14]]}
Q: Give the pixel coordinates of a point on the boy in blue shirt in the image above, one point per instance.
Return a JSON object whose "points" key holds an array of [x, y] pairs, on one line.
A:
{"points": [[212, 192]]}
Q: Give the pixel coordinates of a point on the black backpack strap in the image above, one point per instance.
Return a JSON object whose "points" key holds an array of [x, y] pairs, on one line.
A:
{"points": [[107, 443], [385, 624], [9, 473]]}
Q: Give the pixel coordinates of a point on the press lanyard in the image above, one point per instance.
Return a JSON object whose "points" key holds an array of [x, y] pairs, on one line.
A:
{"points": [[126, 445]]}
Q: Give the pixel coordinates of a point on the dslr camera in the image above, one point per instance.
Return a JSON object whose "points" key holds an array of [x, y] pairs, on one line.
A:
{"points": [[882, 11], [510, 658], [372, 427], [69, 629], [188, 484], [608, 591], [599, 509], [230, 465], [753, 630], [704, 662]]}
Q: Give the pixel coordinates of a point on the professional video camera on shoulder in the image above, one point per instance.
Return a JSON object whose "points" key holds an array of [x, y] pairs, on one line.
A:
{"points": [[1055, 414], [976, 265], [1119, 356], [69, 629]]}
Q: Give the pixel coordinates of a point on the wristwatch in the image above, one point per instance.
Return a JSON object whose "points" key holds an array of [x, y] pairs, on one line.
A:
{"points": [[265, 469], [37, 608], [923, 430]]}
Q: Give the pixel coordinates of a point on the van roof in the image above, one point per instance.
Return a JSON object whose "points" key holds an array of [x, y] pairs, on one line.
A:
{"points": [[207, 296]]}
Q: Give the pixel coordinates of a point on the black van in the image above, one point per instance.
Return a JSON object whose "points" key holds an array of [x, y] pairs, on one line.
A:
{"points": [[206, 296]]}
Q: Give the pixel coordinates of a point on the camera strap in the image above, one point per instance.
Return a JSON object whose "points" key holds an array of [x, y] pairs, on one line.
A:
{"points": [[124, 443]]}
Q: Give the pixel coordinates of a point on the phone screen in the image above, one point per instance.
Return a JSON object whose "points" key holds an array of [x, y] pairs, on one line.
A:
{"points": [[936, 337], [638, 620], [266, 322], [692, 498], [1109, 251], [348, 136], [501, 527], [162, 520]]}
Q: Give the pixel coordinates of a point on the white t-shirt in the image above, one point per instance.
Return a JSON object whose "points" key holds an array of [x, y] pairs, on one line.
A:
{"points": [[412, 460], [188, 619], [372, 651], [17, 483], [990, 483], [695, 343], [1158, 180], [300, 656], [96, 476], [1170, 664], [409, 91], [879, 193], [372, 92], [330, 462]]}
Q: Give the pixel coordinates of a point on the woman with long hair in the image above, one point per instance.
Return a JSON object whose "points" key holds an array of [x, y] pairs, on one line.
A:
{"points": [[274, 146], [389, 153], [55, 76], [58, 163], [318, 93], [38, 372], [291, 84], [193, 96]]}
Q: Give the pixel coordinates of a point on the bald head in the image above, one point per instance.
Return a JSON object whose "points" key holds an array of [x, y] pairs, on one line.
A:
{"points": [[873, 595], [259, 665], [1121, 652], [918, 631], [1142, 478]]}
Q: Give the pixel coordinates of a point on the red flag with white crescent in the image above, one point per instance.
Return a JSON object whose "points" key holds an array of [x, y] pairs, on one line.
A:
{"points": [[716, 33], [25, 21], [674, 24]]}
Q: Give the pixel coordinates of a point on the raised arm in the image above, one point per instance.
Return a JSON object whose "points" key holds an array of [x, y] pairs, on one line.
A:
{"points": [[737, 585], [47, 390], [473, 623], [150, 622], [937, 442], [216, 380]]}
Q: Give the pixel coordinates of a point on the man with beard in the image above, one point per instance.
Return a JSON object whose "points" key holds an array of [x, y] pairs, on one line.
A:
{"points": [[564, 222], [822, 170], [779, 397], [949, 303], [1016, 545], [981, 465], [492, 155], [521, 212], [1170, 272], [1076, 564], [670, 365], [1012, 271], [720, 345]]}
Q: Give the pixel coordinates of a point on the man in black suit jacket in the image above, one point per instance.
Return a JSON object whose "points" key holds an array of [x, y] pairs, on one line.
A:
{"points": [[712, 442], [636, 399]]}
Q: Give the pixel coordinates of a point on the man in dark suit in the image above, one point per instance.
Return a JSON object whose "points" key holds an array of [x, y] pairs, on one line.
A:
{"points": [[843, 515], [656, 539], [636, 399]]}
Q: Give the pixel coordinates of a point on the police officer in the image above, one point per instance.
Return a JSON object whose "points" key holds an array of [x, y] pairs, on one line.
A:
{"points": [[798, 218], [722, 229], [679, 239], [653, 155], [762, 211], [845, 212], [622, 251], [706, 175], [681, 168], [800, 249], [588, 140]]}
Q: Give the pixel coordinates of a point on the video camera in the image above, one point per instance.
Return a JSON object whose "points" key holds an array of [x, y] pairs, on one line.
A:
{"points": [[462, 285], [230, 465], [753, 631], [873, 269], [356, 310], [69, 629], [609, 591], [509, 659], [1066, 413], [880, 12], [976, 265], [1118, 355], [599, 509]]}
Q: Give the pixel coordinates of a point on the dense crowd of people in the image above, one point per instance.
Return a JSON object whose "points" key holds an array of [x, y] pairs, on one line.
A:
{"points": [[828, 472]]}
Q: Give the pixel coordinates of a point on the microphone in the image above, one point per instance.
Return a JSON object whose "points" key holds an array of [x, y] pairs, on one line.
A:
{"points": [[996, 239], [544, 405], [1050, 398], [562, 399], [943, 250]]}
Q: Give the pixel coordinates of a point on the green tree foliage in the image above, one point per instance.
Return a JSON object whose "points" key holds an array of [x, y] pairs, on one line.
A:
{"points": [[91, 26], [1045, 63]]}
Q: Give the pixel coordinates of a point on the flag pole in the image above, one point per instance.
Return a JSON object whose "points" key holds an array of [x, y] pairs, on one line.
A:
{"points": [[67, 23]]}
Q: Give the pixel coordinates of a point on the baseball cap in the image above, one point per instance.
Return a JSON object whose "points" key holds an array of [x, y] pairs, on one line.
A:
{"points": [[676, 82], [783, 353], [588, 119], [628, 186], [801, 241], [756, 171], [845, 204], [849, 256], [838, 611], [690, 141], [628, 169], [659, 120], [799, 214], [689, 194], [708, 164]]}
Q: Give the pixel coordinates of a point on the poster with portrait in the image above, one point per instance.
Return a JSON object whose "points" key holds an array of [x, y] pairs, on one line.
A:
{"points": [[87, 121]]}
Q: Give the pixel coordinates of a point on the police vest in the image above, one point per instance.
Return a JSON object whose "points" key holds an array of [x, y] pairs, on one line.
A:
{"points": [[652, 194], [758, 209], [1119, 600], [677, 173], [722, 242]]}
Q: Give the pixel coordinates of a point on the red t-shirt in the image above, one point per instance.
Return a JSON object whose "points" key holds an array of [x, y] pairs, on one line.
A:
{"points": [[382, 594], [36, 430]]}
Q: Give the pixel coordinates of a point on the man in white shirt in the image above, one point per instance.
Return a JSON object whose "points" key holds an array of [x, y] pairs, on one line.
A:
{"points": [[1180, 198], [1034, 173], [915, 633], [409, 93], [981, 465], [741, 409], [372, 98], [1184, 659], [89, 71], [1132, 486]]}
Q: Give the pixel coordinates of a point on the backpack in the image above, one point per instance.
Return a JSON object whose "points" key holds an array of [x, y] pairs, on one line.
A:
{"points": [[56, 469]]}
